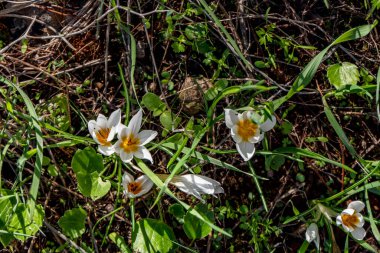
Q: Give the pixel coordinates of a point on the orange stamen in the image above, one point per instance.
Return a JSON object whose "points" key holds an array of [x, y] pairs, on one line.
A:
{"points": [[134, 187], [102, 136], [350, 221], [130, 143], [246, 129]]}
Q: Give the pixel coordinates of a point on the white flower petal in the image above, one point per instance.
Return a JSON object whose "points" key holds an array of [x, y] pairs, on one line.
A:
{"points": [[312, 234], [92, 128], [146, 185], [146, 136], [268, 124], [117, 147], [127, 178], [358, 233], [246, 150], [107, 151], [348, 211], [256, 138], [111, 134], [339, 220], [123, 132], [231, 117], [357, 205], [135, 123], [197, 185], [361, 220], [101, 121], [236, 137], [143, 153], [125, 157], [114, 119]]}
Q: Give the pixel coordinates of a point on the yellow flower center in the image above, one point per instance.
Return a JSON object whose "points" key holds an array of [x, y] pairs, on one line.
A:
{"points": [[350, 221], [135, 187], [246, 129], [130, 143], [102, 136]]}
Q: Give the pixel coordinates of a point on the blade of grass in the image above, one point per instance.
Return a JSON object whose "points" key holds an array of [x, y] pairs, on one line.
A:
{"points": [[230, 40], [378, 93], [258, 186], [334, 123], [351, 187], [375, 230], [33, 192], [310, 154], [307, 74]]}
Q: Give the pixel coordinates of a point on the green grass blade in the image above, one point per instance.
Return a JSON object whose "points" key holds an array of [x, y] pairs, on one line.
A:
{"points": [[229, 38], [40, 144], [374, 228], [378, 93], [311, 68], [310, 154], [334, 123]]}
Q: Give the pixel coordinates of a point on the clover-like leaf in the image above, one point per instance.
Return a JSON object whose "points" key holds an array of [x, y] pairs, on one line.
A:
{"points": [[195, 228], [153, 236], [87, 165], [343, 74], [73, 222], [22, 224]]}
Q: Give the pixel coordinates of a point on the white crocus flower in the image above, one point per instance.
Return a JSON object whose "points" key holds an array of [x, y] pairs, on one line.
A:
{"points": [[312, 234], [136, 188], [103, 131], [352, 221], [245, 132], [195, 184], [131, 142]]}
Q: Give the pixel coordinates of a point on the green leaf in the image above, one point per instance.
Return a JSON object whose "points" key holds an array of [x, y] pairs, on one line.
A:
{"points": [[24, 46], [87, 165], [73, 222], [22, 224], [169, 121], [177, 211], [342, 74], [7, 202], [87, 161], [178, 47], [91, 185], [120, 242], [276, 161], [153, 236], [194, 227], [153, 103], [39, 143], [307, 74]]}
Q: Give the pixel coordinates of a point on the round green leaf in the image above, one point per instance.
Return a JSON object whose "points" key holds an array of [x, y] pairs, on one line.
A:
{"points": [[195, 228], [167, 120], [91, 185], [87, 161], [153, 103], [177, 211], [24, 225], [153, 236], [73, 222], [342, 74]]}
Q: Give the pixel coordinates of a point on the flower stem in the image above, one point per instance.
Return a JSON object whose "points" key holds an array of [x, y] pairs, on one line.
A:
{"points": [[258, 186], [132, 206]]}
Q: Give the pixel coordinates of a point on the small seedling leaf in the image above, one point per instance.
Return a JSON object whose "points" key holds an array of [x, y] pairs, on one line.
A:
{"points": [[194, 227], [153, 236], [73, 222], [342, 74]]}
